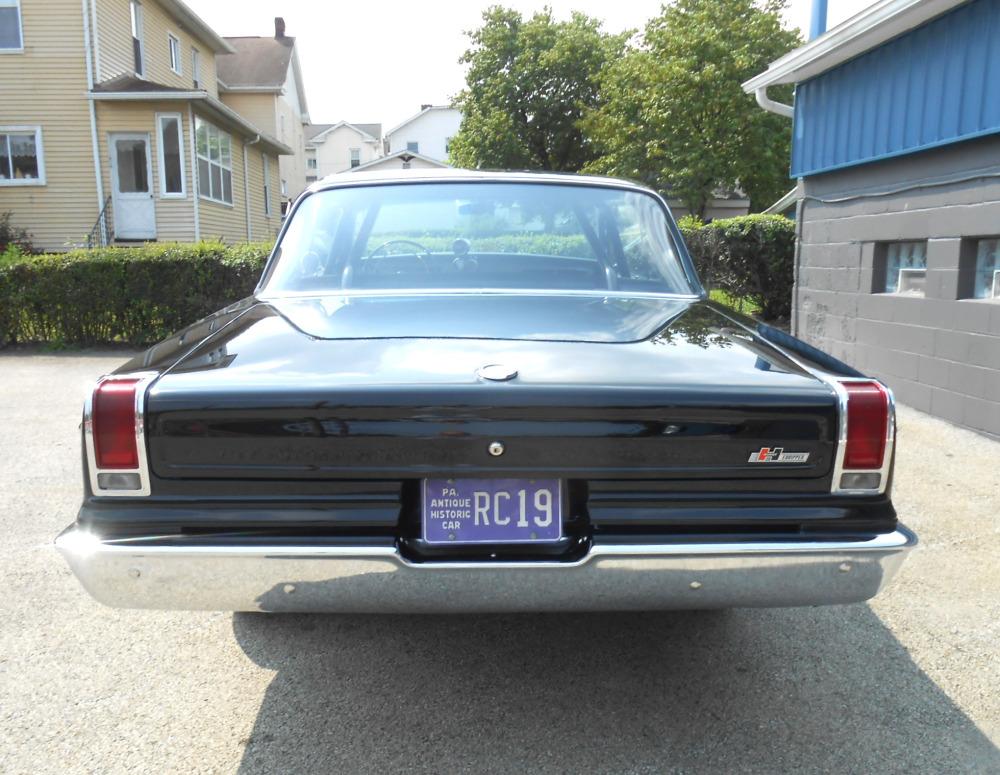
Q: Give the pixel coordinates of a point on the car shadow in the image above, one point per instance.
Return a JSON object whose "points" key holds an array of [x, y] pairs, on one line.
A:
{"points": [[770, 690]]}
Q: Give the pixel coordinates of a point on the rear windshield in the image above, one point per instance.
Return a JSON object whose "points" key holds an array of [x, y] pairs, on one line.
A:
{"points": [[478, 236]]}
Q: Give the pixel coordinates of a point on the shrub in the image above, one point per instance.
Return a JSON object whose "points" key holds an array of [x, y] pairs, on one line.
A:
{"points": [[13, 236], [749, 257], [131, 295]]}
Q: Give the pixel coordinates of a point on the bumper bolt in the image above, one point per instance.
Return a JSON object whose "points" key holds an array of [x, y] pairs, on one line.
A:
{"points": [[695, 585], [289, 588], [134, 572], [845, 567]]}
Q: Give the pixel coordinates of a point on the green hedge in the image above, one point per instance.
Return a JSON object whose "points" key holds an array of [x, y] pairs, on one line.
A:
{"points": [[749, 257], [131, 295]]}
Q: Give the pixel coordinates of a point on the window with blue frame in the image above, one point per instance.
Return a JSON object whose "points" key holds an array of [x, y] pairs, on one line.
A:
{"points": [[987, 276]]}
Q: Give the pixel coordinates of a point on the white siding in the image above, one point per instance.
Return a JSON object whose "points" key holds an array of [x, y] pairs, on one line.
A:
{"points": [[431, 130]]}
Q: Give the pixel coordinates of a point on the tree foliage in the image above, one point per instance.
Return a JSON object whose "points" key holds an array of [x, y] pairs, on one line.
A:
{"points": [[674, 115], [529, 84]]}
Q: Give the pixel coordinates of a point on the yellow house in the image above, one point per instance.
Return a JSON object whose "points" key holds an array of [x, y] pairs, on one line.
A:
{"points": [[112, 130]]}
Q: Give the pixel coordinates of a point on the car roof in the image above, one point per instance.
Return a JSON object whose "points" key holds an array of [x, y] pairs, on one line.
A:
{"points": [[453, 175]]}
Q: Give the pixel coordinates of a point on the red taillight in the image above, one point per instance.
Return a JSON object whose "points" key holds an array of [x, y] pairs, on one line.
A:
{"points": [[867, 425], [113, 419]]}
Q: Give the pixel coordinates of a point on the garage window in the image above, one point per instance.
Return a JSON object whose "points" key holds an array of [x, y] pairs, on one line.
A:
{"points": [[987, 277], [905, 268]]}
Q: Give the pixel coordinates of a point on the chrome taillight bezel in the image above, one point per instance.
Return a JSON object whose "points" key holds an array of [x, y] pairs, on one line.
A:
{"points": [[142, 383], [839, 386]]}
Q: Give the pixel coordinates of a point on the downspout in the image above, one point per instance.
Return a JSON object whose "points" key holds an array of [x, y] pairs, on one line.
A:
{"points": [[771, 105], [195, 195], [246, 185], [95, 148]]}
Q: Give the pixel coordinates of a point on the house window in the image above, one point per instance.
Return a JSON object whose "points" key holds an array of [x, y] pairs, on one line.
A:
{"points": [[171, 146], [311, 163], [11, 36], [310, 178], [215, 162], [21, 160], [447, 146], [355, 157], [406, 165], [413, 147], [267, 185], [987, 278], [284, 187], [196, 68], [137, 36], [281, 119], [174, 49], [905, 268]]}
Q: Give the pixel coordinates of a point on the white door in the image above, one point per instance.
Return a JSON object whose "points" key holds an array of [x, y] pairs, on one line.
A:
{"points": [[132, 180]]}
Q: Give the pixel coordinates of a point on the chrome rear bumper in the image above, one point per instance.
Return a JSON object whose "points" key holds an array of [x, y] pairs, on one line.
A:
{"points": [[144, 574]]}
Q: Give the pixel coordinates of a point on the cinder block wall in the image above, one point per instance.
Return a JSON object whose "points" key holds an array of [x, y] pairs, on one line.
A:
{"points": [[940, 353]]}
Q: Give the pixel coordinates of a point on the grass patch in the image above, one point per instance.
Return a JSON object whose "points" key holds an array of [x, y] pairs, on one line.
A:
{"points": [[745, 305]]}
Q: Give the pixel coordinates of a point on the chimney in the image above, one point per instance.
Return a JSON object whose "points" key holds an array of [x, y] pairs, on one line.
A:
{"points": [[424, 107], [279, 28]]}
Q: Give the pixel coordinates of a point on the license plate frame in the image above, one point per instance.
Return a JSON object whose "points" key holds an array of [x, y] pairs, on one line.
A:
{"points": [[456, 520]]}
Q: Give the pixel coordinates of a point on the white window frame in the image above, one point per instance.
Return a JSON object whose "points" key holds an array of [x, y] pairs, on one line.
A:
{"points": [[39, 155], [232, 187], [415, 148], [164, 194], [136, 32], [174, 53], [20, 26], [267, 185], [350, 157], [195, 67], [284, 187], [312, 163]]}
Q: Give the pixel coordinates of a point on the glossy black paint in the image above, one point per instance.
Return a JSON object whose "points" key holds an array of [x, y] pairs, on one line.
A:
{"points": [[648, 407]]}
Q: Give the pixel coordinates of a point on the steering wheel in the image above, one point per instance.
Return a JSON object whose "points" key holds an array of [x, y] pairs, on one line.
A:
{"points": [[347, 276], [411, 243]]}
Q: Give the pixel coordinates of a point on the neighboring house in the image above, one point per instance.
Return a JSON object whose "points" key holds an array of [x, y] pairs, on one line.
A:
{"points": [[333, 148], [428, 133], [724, 204], [263, 81], [401, 160], [111, 107], [896, 145]]}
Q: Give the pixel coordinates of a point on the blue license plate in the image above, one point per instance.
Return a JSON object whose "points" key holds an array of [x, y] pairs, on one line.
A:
{"points": [[492, 511]]}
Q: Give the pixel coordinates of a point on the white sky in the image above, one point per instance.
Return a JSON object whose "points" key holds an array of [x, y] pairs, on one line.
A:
{"points": [[378, 61]]}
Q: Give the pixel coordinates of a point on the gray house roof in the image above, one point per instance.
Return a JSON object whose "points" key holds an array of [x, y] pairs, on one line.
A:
{"points": [[258, 62], [314, 130]]}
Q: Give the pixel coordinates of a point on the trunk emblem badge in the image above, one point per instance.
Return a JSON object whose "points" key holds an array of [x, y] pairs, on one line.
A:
{"points": [[496, 372], [777, 455], [496, 448]]}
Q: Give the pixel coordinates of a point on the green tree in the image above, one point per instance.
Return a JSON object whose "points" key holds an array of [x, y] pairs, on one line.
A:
{"points": [[673, 113], [528, 86]]}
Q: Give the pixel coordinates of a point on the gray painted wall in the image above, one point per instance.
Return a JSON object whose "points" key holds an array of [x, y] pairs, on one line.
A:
{"points": [[941, 353]]}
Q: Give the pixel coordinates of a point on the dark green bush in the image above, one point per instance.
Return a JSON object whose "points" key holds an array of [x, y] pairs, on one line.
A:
{"points": [[13, 237], [131, 295], [749, 257]]}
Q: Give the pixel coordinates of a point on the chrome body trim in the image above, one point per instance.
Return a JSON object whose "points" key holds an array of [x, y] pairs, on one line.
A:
{"points": [[144, 380], [153, 573]]}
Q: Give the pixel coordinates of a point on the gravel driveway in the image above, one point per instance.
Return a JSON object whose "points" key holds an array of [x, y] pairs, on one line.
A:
{"points": [[910, 683]]}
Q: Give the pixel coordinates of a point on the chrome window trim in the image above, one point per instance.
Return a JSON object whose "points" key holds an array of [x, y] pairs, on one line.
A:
{"points": [[144, 380]]}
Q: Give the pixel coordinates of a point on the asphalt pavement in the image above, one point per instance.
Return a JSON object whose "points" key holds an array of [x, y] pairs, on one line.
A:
{"points": [[908, 683]]}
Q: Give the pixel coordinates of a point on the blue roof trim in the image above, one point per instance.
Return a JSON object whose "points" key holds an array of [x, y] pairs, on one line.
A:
{"points": [[936, 85]]}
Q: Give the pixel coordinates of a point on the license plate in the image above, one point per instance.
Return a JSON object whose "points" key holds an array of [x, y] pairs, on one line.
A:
{"points": [[492, 511]]}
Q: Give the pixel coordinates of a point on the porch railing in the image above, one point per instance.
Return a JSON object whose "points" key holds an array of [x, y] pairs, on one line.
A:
{"points": [[100, 235]]}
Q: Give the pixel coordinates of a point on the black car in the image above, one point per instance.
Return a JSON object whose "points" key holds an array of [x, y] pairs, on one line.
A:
{"points": [[459, 391]]}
